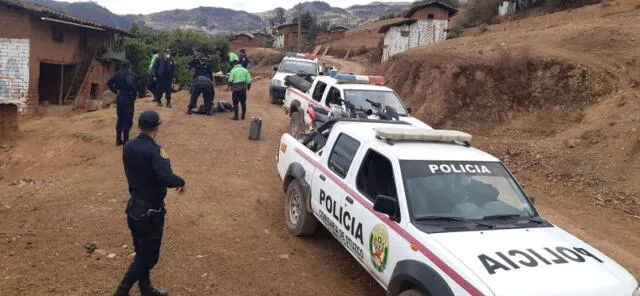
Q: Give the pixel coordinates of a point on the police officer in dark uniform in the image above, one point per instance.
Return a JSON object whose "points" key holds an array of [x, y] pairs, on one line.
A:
{"points": [[163, 74], [202, 83], [123, 84], [149, 174]]}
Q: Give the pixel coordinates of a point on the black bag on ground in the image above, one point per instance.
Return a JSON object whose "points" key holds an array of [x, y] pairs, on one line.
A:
{"points": [[255, 129]]}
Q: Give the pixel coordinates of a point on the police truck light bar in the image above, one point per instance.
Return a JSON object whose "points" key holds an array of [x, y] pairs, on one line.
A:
{"points": [[300, 55], [378, 80], [422, 135]]}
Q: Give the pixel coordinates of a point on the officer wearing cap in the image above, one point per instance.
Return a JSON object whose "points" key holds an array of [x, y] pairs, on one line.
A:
{"points": [[202, 83], [240, 83], [163, 73], [123, 84], [149, 174]]}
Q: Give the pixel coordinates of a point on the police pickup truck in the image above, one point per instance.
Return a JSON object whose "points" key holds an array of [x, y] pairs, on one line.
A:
{"points": [[342, 92], [427, 214], [293, 63]]}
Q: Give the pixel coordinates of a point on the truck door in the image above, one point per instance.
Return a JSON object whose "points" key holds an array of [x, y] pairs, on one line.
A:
{"points": [[375, 177], [329, 193]]}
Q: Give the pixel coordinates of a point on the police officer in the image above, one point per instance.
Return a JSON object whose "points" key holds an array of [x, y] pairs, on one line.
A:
{"points": [[244, 60], [240, 83], [149, 173], [123, 84], [164, 73], [151, 85], [202, 83]]}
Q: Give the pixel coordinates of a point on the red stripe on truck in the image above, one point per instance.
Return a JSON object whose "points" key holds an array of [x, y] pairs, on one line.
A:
{"points": [[313, 102], [404, 234]]}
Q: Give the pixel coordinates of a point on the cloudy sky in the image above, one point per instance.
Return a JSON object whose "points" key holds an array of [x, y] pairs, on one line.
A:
{"points": [[149, 6]]}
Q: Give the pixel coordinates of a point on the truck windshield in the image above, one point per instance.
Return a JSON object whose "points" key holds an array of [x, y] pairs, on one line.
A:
{"points": [[387, 98], [293, 66], [463, 190]]}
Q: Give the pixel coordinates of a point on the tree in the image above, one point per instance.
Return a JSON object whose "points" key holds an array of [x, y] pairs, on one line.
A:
{"points": [[324, 25]]}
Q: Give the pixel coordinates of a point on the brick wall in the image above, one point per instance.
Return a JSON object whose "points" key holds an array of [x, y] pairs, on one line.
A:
{"points": [[438, 13], [8, 120]]}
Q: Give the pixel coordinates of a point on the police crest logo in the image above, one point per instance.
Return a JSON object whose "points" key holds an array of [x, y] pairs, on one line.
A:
{"points": [[164, 154], [379, 247]]}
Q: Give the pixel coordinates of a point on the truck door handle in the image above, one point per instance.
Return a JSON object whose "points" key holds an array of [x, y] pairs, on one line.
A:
{"points": [[349, 199], [323, 178]]}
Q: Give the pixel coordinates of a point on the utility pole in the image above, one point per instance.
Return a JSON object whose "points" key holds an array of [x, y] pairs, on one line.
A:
{"points": [[299, 22]]}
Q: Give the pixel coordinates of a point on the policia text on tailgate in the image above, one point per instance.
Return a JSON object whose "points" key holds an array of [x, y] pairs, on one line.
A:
{"points": [[427, 214]]}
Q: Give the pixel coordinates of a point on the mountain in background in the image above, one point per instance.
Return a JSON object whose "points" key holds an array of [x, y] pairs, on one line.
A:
{"points": [[221, 21]]}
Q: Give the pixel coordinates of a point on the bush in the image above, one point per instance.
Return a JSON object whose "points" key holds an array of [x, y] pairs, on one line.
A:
{"points": [[477, 12]]}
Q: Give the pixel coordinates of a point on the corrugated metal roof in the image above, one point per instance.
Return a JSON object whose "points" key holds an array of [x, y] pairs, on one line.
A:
{"points": [[43, 11], [386, 27]]}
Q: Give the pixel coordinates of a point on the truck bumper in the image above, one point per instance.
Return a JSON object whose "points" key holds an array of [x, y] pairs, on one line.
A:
{"points": [[277, 91]]}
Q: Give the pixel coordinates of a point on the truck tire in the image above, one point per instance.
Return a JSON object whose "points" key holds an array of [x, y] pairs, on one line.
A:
{"points": [[299, 221], [412, 292], [296, 123], [274, 100]]}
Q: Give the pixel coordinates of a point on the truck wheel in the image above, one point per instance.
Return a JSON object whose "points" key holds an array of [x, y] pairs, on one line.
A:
{"points": [[296, 124], [412, 293], [299, 221], [274, 100]]}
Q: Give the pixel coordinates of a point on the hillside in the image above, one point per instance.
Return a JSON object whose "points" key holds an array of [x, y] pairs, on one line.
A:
{"points": [[558, 95], [220, 21]]}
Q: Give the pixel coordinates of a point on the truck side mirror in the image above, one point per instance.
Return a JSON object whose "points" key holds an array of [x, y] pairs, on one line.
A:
{"points": [[275, 69], [409, 110], [387, 205]]}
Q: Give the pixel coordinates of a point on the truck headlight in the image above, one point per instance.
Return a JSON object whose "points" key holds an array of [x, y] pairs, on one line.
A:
{"points": [[276, 82], [636, 292]]}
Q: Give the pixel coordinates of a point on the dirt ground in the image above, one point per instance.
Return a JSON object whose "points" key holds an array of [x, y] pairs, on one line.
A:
{"points": [[226, 236], [62, 183]]}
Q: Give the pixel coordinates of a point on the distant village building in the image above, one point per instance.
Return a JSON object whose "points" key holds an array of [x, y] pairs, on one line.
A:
{"points": [[243, 40], [289, 33], [507, 7], [49, 58], [423, 24]]}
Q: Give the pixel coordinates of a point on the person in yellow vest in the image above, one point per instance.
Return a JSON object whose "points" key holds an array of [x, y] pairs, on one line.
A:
{"points": [[239, 83]]}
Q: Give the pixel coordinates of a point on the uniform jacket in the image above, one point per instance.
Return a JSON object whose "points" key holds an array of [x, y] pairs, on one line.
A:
{"points": [[164, 70], [148, 171], [124, 85], [244, 61], [201, 68], [239, 78]]}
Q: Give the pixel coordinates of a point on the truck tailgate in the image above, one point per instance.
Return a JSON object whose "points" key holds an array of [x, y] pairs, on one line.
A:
{"points": [[290, 152]]}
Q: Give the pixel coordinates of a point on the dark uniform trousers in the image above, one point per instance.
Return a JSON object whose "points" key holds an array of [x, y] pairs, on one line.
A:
{"points": [[124, 110], [146, 231], [202, 85], [163, 87], [239, 97]]}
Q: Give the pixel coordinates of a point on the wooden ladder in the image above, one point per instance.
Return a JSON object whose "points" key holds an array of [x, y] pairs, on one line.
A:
{"points": [[79, 80]]}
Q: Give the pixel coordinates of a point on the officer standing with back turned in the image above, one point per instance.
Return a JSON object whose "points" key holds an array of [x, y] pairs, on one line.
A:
{"points": [[239, 83], [123, 84], [149, 174]]}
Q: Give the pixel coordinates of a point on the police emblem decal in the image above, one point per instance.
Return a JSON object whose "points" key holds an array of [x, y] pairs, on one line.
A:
{"points": [[379, 247], [164, 154]]}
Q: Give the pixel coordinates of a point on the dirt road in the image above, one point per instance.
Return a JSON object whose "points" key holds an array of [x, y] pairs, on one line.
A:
{"points": [[226, 236]]}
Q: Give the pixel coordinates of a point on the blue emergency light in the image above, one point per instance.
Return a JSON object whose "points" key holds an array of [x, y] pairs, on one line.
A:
{"points": [[300, 55], [379, 80]]}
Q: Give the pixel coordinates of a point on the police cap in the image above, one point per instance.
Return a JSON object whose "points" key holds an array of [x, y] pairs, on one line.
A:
{"points": [[149, 120]]}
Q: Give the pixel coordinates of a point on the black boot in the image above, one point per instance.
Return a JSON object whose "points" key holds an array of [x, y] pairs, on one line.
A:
{"points": [[122, 291], [154, 292], [243, 113], [169, 104], [119, 139], [235, 115]]}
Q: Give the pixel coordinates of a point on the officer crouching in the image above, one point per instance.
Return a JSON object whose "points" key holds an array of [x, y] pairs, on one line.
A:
{"points": [[149, 174], [202, 83]]}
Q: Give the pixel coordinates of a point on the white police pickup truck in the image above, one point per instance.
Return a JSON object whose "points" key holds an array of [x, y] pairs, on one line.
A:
{"points": [[291, 64], [335, 92], [426, 214]]}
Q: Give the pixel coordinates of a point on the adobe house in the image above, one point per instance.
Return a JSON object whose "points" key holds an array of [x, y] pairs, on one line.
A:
{"points": [[289, 33], [243, 40], [49, 58], [338, 32], [424, 24]]}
